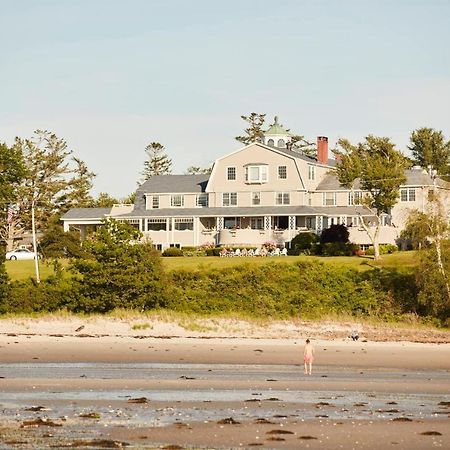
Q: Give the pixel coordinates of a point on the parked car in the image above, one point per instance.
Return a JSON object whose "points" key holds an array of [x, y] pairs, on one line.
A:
{"points": [[20, 253]]}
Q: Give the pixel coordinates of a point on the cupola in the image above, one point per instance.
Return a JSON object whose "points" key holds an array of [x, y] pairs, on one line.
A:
{"points": [[277, 136]]}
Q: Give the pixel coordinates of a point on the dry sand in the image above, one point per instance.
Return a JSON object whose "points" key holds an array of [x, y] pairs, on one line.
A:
{"points": [[265, 359]]}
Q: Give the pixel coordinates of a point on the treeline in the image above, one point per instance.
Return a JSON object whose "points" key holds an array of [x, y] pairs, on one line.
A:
{"points": [[115, 272]]}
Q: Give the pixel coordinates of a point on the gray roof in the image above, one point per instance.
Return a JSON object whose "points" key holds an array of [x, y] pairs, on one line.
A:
{"points": [[86, 213], [249, 211], [175, 184], [414, 177]]}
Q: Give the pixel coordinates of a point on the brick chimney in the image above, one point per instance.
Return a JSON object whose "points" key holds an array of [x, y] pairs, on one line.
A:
{"points": [[322, 149]]}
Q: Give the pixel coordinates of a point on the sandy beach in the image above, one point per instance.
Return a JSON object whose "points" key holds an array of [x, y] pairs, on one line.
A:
{"points": [[104, 383]]}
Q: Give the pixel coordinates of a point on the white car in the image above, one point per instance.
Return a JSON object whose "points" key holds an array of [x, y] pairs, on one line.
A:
{"points": [[20, 253]]}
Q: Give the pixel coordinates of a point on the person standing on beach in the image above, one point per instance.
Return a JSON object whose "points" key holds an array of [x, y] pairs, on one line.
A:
{"points": [[308, 356]]}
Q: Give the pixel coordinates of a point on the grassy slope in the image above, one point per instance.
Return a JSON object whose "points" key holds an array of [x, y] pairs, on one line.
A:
{"points": [[19, 270]]}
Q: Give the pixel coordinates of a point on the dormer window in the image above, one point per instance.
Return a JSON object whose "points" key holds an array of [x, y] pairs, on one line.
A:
{"points": [[256, 173], [281, 143], [271, 143]]}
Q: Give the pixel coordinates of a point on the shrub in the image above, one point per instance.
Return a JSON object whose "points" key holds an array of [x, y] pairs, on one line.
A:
{"points": [[172, 251], [337, 249], [384, 249], [55, 243], [303, 243], [335, 233]]}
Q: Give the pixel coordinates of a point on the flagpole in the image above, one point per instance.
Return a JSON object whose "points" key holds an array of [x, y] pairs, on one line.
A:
{"points": [[33, 229]]}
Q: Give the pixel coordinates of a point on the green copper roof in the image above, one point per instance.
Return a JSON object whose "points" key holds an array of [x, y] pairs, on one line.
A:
{"points": [[276, 128]]}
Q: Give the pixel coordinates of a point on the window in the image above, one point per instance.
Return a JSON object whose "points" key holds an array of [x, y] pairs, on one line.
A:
{"points": [[271, 143], [257, 223], [311, 172], [231, 222], [177, 200], [282, 172], [281, 143], [282, 198], [256, 174], [229, 199], [256, 198], [156, 224], [155, 201], [184, 224], [231, 173], [355, 198], [329, 199], [202, 199], [408, 195]]}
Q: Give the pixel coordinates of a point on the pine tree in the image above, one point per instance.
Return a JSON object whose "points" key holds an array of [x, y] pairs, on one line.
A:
{"points": [[254, 133], [158, 162]]}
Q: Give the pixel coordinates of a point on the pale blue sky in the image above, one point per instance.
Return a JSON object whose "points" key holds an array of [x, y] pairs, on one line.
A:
{"points": [[112, 76]]}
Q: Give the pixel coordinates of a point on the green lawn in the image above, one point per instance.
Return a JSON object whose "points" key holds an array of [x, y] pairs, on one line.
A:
{"points": [[19, 270]]}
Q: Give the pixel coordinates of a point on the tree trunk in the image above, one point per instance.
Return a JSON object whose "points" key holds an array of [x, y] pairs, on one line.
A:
{"points": [[441, 265], [374, 238]]}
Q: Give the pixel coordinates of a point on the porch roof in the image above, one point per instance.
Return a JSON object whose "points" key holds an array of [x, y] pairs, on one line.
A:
{"points": [[251, 211]]}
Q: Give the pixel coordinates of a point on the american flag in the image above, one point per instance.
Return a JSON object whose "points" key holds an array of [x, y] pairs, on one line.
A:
{"points": [[11, 213]]}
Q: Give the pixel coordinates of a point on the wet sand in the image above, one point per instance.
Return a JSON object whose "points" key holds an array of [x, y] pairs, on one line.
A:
{"points": [[373, 395]]}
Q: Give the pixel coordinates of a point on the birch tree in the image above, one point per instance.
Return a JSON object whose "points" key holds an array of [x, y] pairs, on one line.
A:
{"points": [[379, 169]]}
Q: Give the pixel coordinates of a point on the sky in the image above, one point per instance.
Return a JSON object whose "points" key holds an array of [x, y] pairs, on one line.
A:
{"points": [[111, 76]]}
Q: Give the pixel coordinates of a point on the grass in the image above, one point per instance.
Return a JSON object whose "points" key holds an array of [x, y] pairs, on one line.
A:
{"points": [[21, 270]]}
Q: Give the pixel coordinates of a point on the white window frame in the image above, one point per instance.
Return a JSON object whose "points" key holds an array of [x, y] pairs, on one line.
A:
{"points": [[229, 198], [327, 197], [174, 204], [282, 170], [263, 173], [355, 195], [200, 204], [155, 220], [311, 172], [231, 169], [183, 220], [407, 194], [155, 201], [256, 198], [282, 198]]}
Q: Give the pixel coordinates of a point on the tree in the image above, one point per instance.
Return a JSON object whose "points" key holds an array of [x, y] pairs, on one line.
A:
{"points": [[55, 243], [118, 271], [104, 200], [50, 184], [196, 170], [81, 184], [432, 230], [300, 144], [254, 132], [380, 170], [12, 171], [158, 162], [429, 148], [336, 233]]}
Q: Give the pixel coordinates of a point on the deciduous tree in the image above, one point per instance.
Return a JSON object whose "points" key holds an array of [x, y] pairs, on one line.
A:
{"points": [[429, 148], [196, 170], [380, 170]]}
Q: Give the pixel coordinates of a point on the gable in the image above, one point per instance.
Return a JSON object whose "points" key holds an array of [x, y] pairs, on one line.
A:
{"points": [[255, 155]]}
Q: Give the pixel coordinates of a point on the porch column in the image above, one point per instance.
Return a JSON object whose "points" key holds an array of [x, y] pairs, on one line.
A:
{"points": [[82, 232], [196, 231], [319, 224], [267, 222], [219, 223], [291, 227]]}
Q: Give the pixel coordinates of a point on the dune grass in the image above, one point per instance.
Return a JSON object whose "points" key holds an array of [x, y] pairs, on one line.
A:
{"points": [[22, 270]]}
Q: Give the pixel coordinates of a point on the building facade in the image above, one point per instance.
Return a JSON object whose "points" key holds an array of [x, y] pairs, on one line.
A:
{"points": [[262, 192]]}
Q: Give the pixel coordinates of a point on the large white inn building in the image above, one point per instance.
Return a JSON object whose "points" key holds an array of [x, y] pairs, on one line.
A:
{"points": [[261, 192]]}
